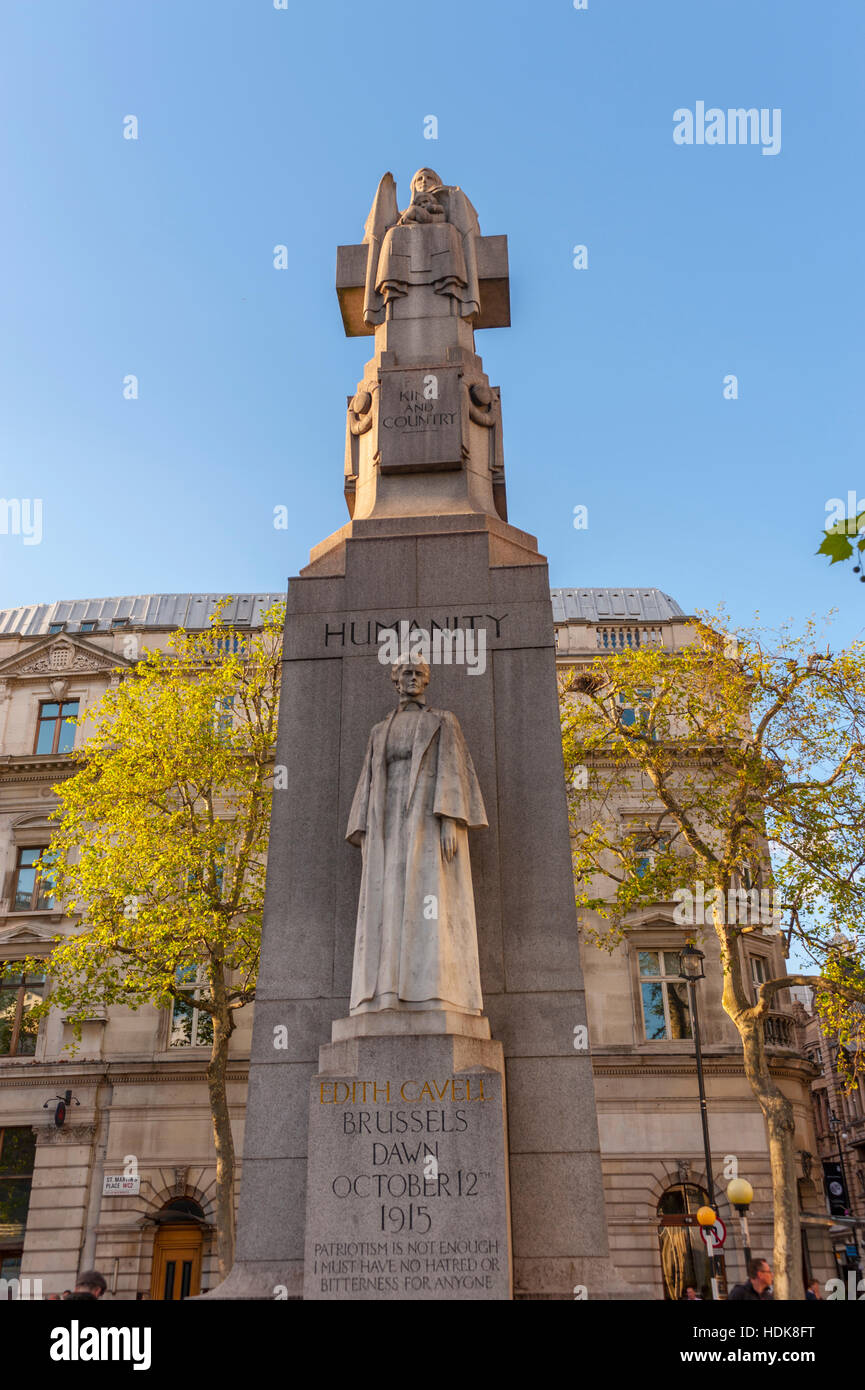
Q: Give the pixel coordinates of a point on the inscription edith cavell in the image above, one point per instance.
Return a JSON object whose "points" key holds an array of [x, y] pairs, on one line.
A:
{"points": [[408, 1192], [419, 420]]}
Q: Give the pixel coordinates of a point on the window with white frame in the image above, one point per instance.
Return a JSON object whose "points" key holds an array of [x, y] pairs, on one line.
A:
{"points": [[648, 845], [663, 996], [191, 1026], [19, 993], [760, 973]]}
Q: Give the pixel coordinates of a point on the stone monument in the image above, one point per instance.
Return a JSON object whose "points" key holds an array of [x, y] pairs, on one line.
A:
{"points": [[429, 1130]]}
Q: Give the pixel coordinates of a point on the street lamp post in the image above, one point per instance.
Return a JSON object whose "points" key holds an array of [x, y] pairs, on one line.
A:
{"points": [[740, 1195], [837, 1128], [691, 970]]}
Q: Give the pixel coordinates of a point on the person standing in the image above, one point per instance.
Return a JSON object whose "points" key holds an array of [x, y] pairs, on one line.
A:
{"points": [[758, 1285], [90, 1285]]}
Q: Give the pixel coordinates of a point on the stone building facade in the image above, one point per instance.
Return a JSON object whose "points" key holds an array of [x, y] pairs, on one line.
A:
{"points": [[839, 1125], [138, 1113], [126, 1182], [644, 1066]]}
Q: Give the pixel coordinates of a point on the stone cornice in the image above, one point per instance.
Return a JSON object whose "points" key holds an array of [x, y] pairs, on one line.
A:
{"points": [[54, 1074], [787, 1069], [35, 767]]}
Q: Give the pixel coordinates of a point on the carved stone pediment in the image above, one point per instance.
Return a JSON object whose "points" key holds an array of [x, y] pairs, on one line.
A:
{"points": [[661, 915], [58, 657], [27, 933]]}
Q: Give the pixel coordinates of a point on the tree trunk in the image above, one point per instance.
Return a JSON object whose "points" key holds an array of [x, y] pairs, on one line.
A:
{"points": [[223, 1027], [777, 1112]]}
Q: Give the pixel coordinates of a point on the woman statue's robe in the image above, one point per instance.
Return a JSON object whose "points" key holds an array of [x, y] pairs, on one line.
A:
{"points": [[416, 944]]}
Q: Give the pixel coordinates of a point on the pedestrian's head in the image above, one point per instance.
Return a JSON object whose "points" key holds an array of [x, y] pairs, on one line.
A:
{"points": [[691, 1293], [760, 1273], [814, 1285], [91, 1281]]}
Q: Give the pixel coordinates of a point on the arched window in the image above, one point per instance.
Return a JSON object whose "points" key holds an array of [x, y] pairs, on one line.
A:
{"points": [[184, 1206], [684, 1257]]}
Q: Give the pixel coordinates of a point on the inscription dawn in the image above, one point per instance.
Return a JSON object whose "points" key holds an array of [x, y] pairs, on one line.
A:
{"points": [[408, 1188]]}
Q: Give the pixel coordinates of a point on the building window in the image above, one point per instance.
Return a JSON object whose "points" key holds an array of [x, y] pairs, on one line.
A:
{"points": [[647, 846], [18, 994], [224, 715], [88, 626], [664, 996], [823, 1113], [190, 1026], [815, 1058], [759, 974], [54, 628], [54, 732], [31, 891], [635, 715], [17, 1158], [119, 622]]}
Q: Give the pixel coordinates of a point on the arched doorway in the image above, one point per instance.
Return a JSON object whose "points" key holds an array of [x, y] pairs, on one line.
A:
{"points": [[684, 1257], [177, 1250]]}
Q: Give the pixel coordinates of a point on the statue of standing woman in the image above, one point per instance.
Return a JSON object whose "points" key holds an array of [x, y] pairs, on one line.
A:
{"points": [[416, 800]]}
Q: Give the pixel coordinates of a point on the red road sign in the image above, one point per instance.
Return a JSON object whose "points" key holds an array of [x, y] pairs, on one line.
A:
{"points": [[719, 1231]]}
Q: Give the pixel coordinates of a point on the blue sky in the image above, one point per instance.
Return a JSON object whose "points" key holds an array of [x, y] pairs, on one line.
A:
{"points": [[260, 126]]}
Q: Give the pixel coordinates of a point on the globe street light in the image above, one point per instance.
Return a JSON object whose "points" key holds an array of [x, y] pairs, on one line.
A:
{"points": [[740, 1194]]}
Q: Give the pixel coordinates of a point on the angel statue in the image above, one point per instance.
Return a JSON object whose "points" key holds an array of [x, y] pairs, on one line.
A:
{"points": [[433, 242]]}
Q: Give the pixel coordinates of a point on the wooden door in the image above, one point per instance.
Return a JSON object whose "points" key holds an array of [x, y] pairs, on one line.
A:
{"points": [[176, 1262]]}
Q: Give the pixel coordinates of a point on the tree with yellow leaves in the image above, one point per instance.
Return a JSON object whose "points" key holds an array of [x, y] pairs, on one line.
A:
{"points": [[161, 847], [742, 757]]}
